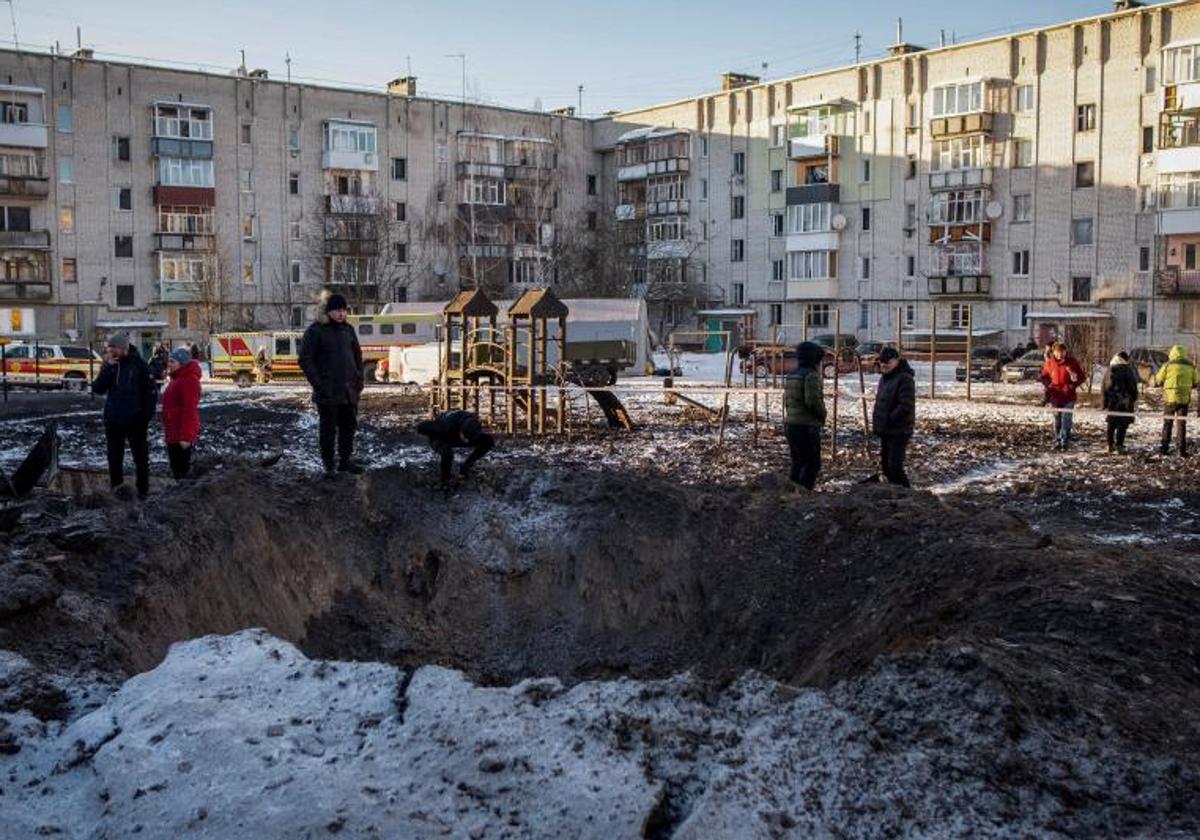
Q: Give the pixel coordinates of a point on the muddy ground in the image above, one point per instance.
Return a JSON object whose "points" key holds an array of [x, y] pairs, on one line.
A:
{"points": [[1071, 581]]}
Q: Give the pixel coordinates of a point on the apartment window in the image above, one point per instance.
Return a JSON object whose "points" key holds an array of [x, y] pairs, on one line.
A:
{"points": [[1189, 316], [1141, 317], [349, 137], [399, 169], [812, 265], [246, 133], [401, 214], [66, 219], [910, 215], [910, 266], [1081, 231], [1024, 98], [123, 246], [1179, 189], [440, 193], [295, 269], [181, 317], [294, 183], [64, 117], [248, 273], [809, 218], [185, 172], [910, 171], [247, 226], [866, 120], [123, 198], [776, 180], [66, 170], [483, 191], [1020, 263], [704, 145], [400, 250], [293, 140], [1147, 139], [866, 171], [817, 315], [914, 115], [776, 271], [591, 185], [1085, 174], [297, 316], [1022, 153], [957, 99], [69, 274], [1189, 256], [777, 224], [739, 163], [866, 268], [910, 314], [1151, 80], [294, 231], [775, 314], [1022, 207], [1081, 289], [737, 250], [1085, 117], [14, 113], [737, 294], [245, 180], [125, 296], [704, 188], [959, 153], [864, 316], [866, 218], [960, 313], [1143, 258], [121, 149], [778, 134], [738, 207]]}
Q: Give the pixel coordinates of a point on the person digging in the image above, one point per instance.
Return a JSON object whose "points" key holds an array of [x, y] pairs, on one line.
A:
{"points": [[456, 430]]}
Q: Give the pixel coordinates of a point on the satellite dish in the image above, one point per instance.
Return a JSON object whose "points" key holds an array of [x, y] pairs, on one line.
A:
{"points": [[994, 210], [838, 221]]}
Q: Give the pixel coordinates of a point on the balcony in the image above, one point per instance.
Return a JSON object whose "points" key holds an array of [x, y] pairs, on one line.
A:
{"points": [[179, 148], [183, 241], [814, 194], [487, 251], [38, 240], [966, 285], [353, 205], [166, 196], [956, 179], [28, 135], [346, 247], [361, 161], [630, 212], [980, 122], [486, 213], [668, 249], [633, 172], [25, 289], [1173, 281], [814, 289], [12, 185], [179, 291], [941, 232], [472, 169], [664, 208], [825, 240], [1183, 220], [668, 166], [814, 146]]}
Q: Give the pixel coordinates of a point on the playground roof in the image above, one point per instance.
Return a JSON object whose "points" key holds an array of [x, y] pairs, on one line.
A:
{"points": [[472, 303], [539, 303]]}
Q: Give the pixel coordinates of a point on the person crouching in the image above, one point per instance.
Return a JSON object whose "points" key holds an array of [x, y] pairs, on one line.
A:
{"points": [[456, 430]]}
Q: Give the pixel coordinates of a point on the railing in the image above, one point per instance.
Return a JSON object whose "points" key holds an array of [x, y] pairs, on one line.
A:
{"points": [[1175, 281], [977, 123], [951, 179], [978, 284], [814, 194], [25, 239]]}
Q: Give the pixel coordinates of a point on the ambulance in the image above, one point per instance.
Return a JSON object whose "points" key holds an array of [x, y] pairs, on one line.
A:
{"points": [[49, 365], [248, 358]]}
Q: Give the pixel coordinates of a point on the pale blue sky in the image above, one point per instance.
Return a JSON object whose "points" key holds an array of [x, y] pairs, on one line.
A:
{"points": [[521, 52]]}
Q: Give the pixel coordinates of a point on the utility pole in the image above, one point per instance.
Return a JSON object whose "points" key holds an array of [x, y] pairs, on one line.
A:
{"points": [[857, 47], [579, 111]]}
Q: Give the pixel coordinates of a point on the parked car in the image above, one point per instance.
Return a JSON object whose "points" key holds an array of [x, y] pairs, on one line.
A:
{"points": [[780, 360], [986, 364], [827, 340], [869, 352], [1146, 361], [1027, 367], [50, 365]]}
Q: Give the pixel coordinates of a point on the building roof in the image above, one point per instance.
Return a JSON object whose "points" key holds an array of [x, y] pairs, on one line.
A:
{"points": [[472, 303], [648, 132], [539, 303]]}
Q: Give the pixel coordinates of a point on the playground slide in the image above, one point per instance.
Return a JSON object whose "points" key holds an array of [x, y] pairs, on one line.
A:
{"points": [[614, 412]]}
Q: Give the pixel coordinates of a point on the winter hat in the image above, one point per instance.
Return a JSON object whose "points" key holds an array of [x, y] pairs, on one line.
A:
{"points": [[809, 353], [181, 355], [120, 340], [334, 303], [888, 353]]}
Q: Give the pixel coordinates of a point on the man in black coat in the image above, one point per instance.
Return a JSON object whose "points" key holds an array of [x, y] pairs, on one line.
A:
{"points": [[129, 403], [895, 414], [453, 430], [332, 363]]}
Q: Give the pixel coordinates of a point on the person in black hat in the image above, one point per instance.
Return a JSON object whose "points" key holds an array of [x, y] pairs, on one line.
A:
{"points": [[895, 414], [130, 399], [332, 363], [804, 414], [454, 430]]}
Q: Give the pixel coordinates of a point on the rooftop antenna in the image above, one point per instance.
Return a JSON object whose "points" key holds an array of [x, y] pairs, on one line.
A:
{"points": [[12, 14], [287, 59], [242, 67], [857, 47], [899, 30], [580, 111]]}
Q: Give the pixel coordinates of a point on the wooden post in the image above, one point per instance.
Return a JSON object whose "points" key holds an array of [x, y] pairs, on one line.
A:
{"points": [[510, 371], [542, 371], [933, 351], [837, 352], [532, 366], [562, 365], [970, 346], [729, 351], [862, 399]]}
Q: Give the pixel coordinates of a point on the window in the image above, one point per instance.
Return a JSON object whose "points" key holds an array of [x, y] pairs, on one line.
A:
{"points": [[739, 163], [297, 316], [737, 250], [121, 148], [66, 170], [960, 313], [349, 137], [247, 226], [777, 224], [864, 316], [1189, 316], [737, 294], [14, 113], [910, 314], [910, 267], [401, 211], [1147, 139], [14, 218], [1179, 189], [295, 269], [1024, 98], [1143, 258], [185, 172], [248, 272], [399, 169], [910, 215], [66, 219], [1022, 153], [440, 193], [123, 198], [591, 185], [776, 271], [957, 99], [812, 265], [185, 220], [69, 274], [1081, 289], [775, 314], [1081, 231], [776, 180], [483, 191], [64, 117], [957, 207], [959, 153], [667, 228], [817, 315], [246, 133], [245, 179], [294, 231], [910, 171], [1189, 256], [1020, 263], [866, 268], [123, 246], [70, 322], [401, 252], [704, 188], [914, 115], [1085, 117], [866, 218], [809, 218], [1141, 317], [193, 268], [1085, 174], [182, 122], [737, 207], [866, 122], [293, 140], [125, 295], [1022, 207], [181, 317], [778, 133], [866, 171], [1181, 65], [1151, 81], [704, 145], [294, 183]]}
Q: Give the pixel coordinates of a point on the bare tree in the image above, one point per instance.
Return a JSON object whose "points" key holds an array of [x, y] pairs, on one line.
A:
{"points": [[359, 249]]}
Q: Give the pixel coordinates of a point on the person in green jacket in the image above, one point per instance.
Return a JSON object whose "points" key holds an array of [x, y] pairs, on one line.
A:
{"points": [[804, 414], [1177, 378]]}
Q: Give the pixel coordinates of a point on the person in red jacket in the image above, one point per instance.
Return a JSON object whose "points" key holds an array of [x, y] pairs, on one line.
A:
{"points": [[1061, 375], [181, 410]]}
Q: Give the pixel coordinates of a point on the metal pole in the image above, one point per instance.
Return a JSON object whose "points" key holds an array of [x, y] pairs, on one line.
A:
{"points": [[4, 369], [837, 350], [37, 363], [970, 346], [933, 351]]}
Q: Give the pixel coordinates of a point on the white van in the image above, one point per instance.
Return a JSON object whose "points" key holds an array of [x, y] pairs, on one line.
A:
{"points": [[418, 364]]}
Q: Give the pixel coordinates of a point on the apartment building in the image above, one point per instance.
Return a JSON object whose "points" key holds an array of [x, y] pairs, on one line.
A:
{"points": [[1038, 180]]}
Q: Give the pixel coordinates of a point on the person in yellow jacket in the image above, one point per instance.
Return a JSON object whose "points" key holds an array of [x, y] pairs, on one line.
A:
{"points": [[1177, 378]]}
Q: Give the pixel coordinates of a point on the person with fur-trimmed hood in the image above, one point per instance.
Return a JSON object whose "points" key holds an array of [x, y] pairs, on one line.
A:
{"points": [[332, 363], [1178, 379], [1120, 393], [895, 414], [804, 414]]}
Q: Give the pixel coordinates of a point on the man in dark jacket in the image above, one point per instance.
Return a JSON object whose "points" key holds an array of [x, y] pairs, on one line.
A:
{"points": [[895, 414], [130, 397], [1120, 390], [804, 414], [453, 430], [332, 363]]}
